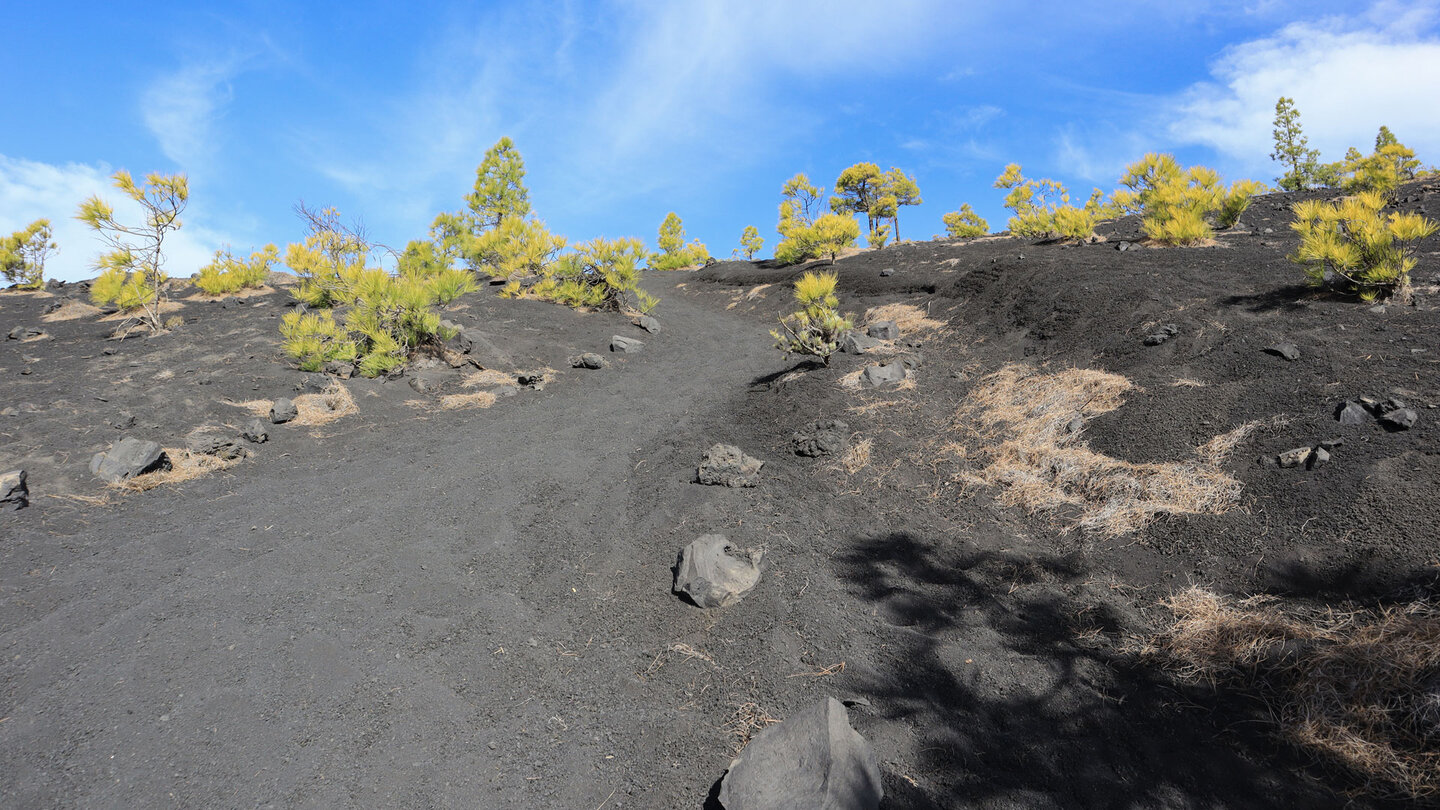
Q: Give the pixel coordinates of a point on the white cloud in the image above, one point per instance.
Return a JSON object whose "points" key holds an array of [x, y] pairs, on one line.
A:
{"points": [[31, 190], [1347, 75], [181, 108]]}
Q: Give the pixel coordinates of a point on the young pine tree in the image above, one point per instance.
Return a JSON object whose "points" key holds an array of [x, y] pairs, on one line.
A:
{"points": [[902, 189], [1292, 149], [500, 191], [228, 274], [965, 223], [750, 243], [23, 254], [815, 328], [674, 253], [1352, 242], [133, 269]]}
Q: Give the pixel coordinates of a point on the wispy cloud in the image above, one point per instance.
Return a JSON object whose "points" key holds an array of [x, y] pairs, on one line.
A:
{"points": [[31, 190], [181, 110], [1347, 74]]}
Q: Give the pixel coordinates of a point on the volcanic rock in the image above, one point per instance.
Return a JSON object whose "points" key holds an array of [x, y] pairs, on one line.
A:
{"points": [[814, 760], [852, 342], [587, 360], [14, 493], [823, 438], [255, 432], [648, 323], [128, 458], [726, 465], [1351, 412], [883, 330], [1287, 350], [1295, 457], [711, 572], [625, 345], [1399, 419], [877, 376], [283, 410], [213, 442]]}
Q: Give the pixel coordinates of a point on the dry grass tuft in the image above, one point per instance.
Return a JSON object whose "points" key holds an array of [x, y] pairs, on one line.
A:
{"points": [[757, 292], [857, 457], [1023, 421], [909, 318], [71, 311], [1215, 451], [166, 307], [747, 721], [184, 466], [1359, 687], [325, 407], [474, 399], [1186, 382], [489, 377], [248, 292]]}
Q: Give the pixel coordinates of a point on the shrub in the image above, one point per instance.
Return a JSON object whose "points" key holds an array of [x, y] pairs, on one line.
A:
{"points": [[816, 327], [1383, 170], [965, 223], [387, 317], [513, 249], [500, 192], [1350, 239], [864, 189], [674, 253], [601, 273], [750, 243], [804, 237], [132, 270], [1177, 205], [1043, 210], [23, 254], [227, 274]]}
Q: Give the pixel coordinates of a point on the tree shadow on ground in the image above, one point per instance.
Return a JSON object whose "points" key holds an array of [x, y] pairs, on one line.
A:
{"points": [[1290, 298], [1011, 671]]}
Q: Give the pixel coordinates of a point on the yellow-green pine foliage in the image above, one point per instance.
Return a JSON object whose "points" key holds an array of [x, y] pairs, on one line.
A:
{"points": [[314, 338], [227, 274], [23, 254], [884, 209], [900, 189], [750, 242], [515, 248], [799, 205], [1292, 149], [1033, 201], [328, 259], [833, 233], [1177, 205], [965, 223], [1383, 170], [674, 253], [804, 197], [500, 191], [133, 269], [601, 273], [1371, 253], [815, 328]]}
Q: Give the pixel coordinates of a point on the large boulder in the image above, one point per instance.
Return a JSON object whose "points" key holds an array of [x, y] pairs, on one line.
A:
{"points": [[725, 465], [812, 761], [128, 458], [826, 437], [712, 572], [14, 494]]}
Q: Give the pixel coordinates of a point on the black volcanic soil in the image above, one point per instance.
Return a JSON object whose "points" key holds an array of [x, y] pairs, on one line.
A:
{"points": [[427, 608]]}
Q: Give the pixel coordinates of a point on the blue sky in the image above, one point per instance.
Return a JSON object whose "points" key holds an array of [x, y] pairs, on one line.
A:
{"points": [[626, 109]]}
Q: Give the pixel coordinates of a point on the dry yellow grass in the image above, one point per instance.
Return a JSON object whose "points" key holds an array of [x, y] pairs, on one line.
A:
{"points": [[1186, 382], [857, 456], [184, 466], [909, 318], [71, 311], [249, 292], [757, 292], [488, 376], [1219, 448], [1022, 420], [1358, 687], [325, 407], [475, 399]]}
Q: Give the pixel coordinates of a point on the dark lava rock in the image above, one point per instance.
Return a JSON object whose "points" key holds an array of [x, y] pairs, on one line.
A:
{"points": [[711, 572], [1319, 457], [430, 380], [123, 421], [814, 760], [25, 333], [128, 458], [1287, 350], [255, 432], [726, 465], [889, 271], [1295, 457], [648, 323], [853, 342], [625, 345], [282, 411], [214, 442], [877, 376], [823, 438], [530, 380], [1351, 412], [342, 370], [1124, 246], [1166, 332], [1399, 419], [14, 493], [883, 330], [481, 349], [587, 360]]}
